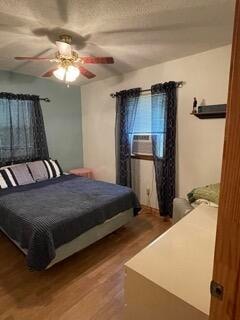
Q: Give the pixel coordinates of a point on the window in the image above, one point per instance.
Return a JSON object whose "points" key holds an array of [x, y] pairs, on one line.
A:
{"points": [[146, 125], [22, 135], [16, 131]]}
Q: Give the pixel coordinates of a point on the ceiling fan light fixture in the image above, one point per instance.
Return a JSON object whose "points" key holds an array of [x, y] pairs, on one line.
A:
{"points": [[72, 73], [60, 73], [69, 74]]}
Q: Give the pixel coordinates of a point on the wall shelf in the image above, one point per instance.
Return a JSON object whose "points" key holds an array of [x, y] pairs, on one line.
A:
{"points": [[216, 111], [211, 115]]}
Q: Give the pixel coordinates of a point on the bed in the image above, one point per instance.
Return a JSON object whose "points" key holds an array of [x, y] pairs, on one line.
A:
{"points": [[53, 219]]}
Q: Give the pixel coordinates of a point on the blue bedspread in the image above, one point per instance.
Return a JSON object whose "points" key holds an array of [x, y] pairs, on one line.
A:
{"points": [[43, 216]]}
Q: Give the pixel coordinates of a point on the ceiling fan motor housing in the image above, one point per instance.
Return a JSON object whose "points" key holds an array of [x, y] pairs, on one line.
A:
{"points": [[65, 38]]}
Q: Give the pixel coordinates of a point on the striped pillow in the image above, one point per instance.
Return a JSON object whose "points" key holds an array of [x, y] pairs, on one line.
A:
{"points": [[38, 170], [45, 169], [15, 176], [53, 168]]}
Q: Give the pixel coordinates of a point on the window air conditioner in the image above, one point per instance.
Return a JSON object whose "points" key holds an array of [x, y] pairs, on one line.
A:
{"points": [[142, 144]]}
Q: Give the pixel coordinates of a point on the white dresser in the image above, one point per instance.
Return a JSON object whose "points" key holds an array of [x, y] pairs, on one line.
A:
{"points": [[170, 279]]}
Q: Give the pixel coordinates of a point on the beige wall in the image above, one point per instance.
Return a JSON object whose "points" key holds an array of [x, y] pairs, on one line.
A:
{"points": [[199, 142]]}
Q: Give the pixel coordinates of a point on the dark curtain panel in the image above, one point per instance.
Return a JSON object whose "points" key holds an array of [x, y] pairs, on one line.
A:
{"points": [[126, 108], [22, 133], [164, 101]]}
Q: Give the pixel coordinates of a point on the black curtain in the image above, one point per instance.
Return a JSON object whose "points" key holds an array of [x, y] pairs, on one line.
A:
{"points": [[22, 132], [126, 108], [164, 100]]}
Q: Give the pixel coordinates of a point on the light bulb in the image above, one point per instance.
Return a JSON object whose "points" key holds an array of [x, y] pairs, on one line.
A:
{"points": [[60, 73], [72, 73]]}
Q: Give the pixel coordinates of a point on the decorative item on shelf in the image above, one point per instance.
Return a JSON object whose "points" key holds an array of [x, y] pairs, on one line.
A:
{"points": [[194, 105], [209, 111]]}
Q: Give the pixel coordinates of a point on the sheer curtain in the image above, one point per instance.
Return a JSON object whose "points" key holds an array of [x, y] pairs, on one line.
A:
{"points": [[164, 107], [22, 132], [126, 108]]}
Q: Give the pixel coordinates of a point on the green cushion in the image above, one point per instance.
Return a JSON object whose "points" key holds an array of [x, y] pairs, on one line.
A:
{"points": [[210, 193]]}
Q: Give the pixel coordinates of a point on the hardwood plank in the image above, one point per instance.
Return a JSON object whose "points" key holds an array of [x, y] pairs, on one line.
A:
{"points": [[87, 286], [227, 252]]}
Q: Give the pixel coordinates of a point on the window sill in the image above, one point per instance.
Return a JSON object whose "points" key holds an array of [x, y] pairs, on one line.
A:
{"points": [[142, 157]]}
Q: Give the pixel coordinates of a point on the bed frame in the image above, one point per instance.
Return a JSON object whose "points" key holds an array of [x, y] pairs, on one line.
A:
{"points": [[87, 238]]}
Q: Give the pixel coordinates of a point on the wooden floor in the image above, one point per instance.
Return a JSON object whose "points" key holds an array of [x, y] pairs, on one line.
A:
{"points": [[86, 286]]}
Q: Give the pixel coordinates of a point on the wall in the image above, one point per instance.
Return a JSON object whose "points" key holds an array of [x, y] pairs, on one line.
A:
{"points": [[62, 116], [199, 142]]}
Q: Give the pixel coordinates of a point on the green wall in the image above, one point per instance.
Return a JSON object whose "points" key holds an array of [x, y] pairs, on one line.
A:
{"points": [[62, 116]]}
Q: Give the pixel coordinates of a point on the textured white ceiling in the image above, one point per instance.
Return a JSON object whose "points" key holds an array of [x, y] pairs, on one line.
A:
{"points": [[137, 33]]}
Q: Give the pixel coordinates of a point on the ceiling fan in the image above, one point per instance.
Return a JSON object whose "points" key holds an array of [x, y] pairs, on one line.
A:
{"points": [[69, 63]]}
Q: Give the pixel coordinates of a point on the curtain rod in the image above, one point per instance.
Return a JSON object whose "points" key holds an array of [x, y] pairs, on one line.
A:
{"points": [[45, 99], [179, 84]]}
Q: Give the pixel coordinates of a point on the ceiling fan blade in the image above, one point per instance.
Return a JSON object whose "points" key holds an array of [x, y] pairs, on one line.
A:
{"points": [[31, 58], [49, 73], [97, 60], [88, 74], [64, 48]]}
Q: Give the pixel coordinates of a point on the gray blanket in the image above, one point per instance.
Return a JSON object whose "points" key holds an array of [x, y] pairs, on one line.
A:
{"points": [[45, 215]]}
